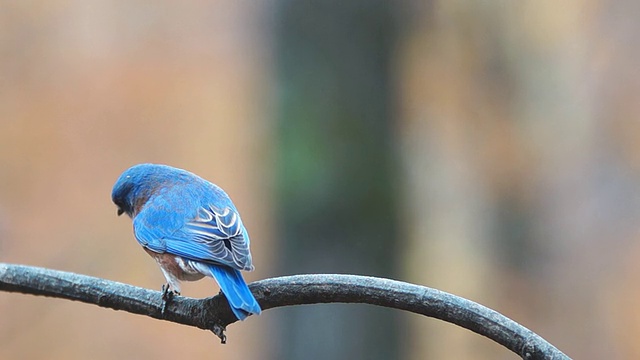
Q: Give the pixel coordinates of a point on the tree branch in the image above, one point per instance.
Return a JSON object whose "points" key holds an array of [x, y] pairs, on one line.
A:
{"points": [[214, 313]]}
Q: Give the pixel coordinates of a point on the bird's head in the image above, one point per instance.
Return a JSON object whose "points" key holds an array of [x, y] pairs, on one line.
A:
{"points": [[133, 187]]}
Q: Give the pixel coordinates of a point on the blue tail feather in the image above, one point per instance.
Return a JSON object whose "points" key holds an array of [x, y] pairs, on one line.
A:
{"points": [[235, 290]]}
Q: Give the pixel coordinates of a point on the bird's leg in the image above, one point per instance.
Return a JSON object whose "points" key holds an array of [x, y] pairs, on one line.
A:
{"points": [[168, 292], [167, 295], [171, 288]]}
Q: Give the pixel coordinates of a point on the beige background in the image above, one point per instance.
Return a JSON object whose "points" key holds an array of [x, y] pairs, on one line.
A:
{"points": [[524, 111]]}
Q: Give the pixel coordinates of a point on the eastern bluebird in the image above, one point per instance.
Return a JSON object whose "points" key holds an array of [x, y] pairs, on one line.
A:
{"points": [[190, 227]]}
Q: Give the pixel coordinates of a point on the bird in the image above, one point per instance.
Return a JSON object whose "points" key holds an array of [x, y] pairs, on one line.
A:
{"points": [[190, 227]]}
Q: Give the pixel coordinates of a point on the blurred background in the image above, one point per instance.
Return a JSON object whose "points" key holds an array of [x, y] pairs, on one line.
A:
{"points": [[488, 149]]}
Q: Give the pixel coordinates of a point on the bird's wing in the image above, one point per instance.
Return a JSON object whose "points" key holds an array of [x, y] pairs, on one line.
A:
{"points": [[212, 235], [221, 234]]}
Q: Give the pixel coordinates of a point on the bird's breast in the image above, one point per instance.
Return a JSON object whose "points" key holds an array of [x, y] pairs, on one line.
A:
{"points": [[176, 266]]}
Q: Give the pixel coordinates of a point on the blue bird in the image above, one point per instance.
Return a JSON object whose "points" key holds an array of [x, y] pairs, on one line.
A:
{"points": [[190, 227]]}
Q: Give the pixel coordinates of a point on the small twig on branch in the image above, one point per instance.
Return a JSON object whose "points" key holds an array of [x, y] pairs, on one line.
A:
{"points": [[214, 313]]}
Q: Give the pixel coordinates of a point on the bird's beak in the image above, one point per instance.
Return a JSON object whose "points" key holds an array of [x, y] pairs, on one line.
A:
{"points": [[120, 211]]}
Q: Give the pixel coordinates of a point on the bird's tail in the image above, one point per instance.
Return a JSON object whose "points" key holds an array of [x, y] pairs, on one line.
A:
{"points": [[234, 288]]}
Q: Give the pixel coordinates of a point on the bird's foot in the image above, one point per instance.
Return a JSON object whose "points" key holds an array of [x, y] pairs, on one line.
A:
{"points": [[168, 292], [167, 296], [219, 331]]}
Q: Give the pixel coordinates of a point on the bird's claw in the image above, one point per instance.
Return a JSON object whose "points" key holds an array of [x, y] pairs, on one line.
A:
{"points": [[167, 296], [167, 292], [219, 331]]}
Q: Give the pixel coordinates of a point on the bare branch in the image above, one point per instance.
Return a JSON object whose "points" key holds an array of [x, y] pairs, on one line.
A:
{"points": [[214, 313]]}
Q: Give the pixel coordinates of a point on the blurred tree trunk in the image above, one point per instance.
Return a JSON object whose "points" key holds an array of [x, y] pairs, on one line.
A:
{"points": [[337, 209], [448, 119]]}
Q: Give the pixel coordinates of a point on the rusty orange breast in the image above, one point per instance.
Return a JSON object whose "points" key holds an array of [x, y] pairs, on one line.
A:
{"points": [[176, 266]]}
